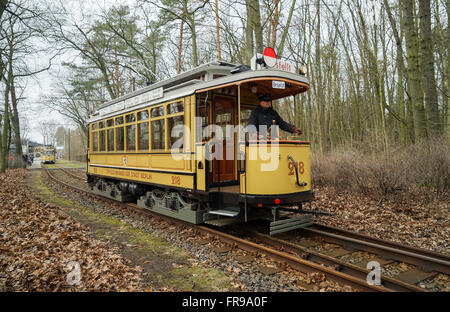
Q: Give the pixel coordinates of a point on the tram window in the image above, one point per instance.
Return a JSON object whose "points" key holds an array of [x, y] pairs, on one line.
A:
{"points": [[131, 138], [94, 126], [95, 142], [176, 108], [110, 123], [130, 118], [158, 141], [119, 139], [245, 114], [158, 111], [110, 140], [102, 141], [205, 120], [143, 115], [172, 123], [102, 124], [143, 136], [119, 120]]}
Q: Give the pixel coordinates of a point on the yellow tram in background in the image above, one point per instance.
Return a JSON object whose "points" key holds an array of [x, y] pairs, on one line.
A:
{"points": [[48, 154], [194, 175]]}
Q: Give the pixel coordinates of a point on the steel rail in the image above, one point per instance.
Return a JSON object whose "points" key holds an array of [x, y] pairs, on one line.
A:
{"points": [[428, 261], [367, 238], [72, 174], [302, 265], [339, 265]]}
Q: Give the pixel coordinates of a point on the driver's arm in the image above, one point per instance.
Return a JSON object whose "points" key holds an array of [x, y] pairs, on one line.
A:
{"points": [[286, 126]]}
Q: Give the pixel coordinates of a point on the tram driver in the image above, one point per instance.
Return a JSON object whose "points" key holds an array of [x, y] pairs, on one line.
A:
{"points": [[264, 117]]}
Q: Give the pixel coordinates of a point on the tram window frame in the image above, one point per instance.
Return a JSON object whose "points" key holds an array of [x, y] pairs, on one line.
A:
{"points": [[119, 120], [170, 140], [117, 137], [246, 107], [130, 140], [130, 118], [95, 141], [117, 129], [174, 114], [158, 117], [140, 114], [155, 109], [110, 147], [175, 106], [102, 141], [161, 145]]}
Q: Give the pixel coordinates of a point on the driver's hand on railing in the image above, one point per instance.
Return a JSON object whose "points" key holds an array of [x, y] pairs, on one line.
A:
{"points": [[297, 131]]}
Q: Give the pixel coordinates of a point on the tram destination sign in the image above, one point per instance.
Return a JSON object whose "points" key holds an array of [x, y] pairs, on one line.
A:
{"points": [[145, 97], [133, 101], [272, 62], [284, 66]]}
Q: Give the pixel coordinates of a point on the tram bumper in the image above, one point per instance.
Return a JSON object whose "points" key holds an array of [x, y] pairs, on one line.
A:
{"points": [[282, 199]]}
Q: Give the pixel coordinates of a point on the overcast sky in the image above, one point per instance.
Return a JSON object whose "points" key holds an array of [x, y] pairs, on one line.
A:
{"points": [[32, 108]]}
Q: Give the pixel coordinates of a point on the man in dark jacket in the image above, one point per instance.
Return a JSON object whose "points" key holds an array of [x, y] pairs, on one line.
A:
{"points": [[265, 115]]}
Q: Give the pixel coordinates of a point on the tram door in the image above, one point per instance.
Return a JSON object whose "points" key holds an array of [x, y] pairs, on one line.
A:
{"points": [[224, 113]]}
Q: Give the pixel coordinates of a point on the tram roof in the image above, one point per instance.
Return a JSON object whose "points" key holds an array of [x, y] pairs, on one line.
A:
{"points": [[213, 75]]}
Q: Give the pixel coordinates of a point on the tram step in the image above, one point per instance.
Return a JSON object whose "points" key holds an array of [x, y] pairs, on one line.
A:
{"points": [[225, 221], [228, 212]]}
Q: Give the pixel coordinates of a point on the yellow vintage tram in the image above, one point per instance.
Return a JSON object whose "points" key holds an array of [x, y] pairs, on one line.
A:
{"points": [[197, 176], [48, 155]]}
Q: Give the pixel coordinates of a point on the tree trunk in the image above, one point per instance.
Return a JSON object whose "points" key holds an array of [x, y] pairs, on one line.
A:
{"points": [[180, 48], [219, 56], [286, 29], [447, 71], [400, 98], [194, 43], [319, 87], [414, 80], [275, 24], [253, 27], [428, 66], [249, 34], [257, 27], [18, 161], [3, 5], [5, 134]]}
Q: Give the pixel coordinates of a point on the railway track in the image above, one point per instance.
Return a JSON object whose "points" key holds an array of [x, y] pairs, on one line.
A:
{"points": [[305, 260], [404, 282], [426, 259], [76, 176]]}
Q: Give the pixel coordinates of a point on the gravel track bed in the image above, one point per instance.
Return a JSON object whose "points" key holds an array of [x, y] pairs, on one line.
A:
{"points": [[62, 176], [438, 283], [251, 279]]}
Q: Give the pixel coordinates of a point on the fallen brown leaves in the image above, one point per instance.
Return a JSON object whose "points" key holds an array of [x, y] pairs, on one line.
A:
{"points": [[411, 218], [38, 241]]}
